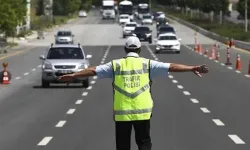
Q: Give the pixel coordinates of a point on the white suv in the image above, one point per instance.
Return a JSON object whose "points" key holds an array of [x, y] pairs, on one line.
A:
{"points": [[129, 28], [167, 42], [64, 59]]}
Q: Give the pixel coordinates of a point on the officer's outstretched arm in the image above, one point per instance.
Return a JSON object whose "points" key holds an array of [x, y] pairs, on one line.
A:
{"points": [[185, 68]]}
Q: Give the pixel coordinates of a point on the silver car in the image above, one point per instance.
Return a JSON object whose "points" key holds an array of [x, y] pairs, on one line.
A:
{"points": [[64, 37], [64, 59]]}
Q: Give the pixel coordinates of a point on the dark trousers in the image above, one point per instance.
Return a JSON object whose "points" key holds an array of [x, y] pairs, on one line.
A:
{"points": [[142, 134]]}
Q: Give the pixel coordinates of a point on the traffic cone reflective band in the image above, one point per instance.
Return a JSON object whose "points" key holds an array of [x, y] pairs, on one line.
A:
{"points": [[212, 56], [5, 74], [206, 52], [200, 49], [216, 45], [218, 56], [228, 62], [238, 63]]}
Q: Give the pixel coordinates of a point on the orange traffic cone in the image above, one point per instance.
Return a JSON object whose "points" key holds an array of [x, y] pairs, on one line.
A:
{"points": [[206, 52], [218, 56], [200, 49], [5, 74], [216, 45], [238, 63], [228, 62], [212, 55], [196, 48]]}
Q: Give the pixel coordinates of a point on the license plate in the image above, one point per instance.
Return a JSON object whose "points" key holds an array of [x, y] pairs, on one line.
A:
{"points": [[64, 71]]}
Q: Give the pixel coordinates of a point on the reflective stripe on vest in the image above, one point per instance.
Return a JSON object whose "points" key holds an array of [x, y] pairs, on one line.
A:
{"points": [[132, 97]]}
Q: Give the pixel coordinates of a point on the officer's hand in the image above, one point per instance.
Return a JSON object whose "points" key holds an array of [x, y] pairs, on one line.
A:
{"points": [[66, 78], [198, 70]]}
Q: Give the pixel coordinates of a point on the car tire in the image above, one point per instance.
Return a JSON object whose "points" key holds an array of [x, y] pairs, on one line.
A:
{"points": [[150, 41], [123, 36], [45, 84], [157, 52], [85, 83], [178, 52]]}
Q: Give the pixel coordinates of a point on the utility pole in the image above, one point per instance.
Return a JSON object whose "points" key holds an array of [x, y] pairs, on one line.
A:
{"points": [[150, 6], [246, 17], [28, 15]]}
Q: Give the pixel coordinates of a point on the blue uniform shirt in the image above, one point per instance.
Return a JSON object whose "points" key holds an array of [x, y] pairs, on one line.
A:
{"points": [[157, 69]]}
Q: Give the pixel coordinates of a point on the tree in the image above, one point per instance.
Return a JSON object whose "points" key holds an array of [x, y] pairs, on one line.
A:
{"points": [[241, 8]]}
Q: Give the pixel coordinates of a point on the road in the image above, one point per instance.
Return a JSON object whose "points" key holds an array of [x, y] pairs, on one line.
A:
{"points": [[191, 113]]}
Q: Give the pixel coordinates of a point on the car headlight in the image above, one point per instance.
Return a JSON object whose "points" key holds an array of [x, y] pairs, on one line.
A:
{"points": [[83, 66], [158, 45], [177, 45], [47, 65], [148, 35]]}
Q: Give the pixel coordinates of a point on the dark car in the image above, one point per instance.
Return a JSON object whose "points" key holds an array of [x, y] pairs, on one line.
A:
{"points": [[161, 21], [165, 29], [143, 33]]}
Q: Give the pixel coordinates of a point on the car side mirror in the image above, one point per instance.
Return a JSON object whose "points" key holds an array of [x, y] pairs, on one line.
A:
{"points": [[179, 39], [89, 56], [134, 34], [42, 57]]}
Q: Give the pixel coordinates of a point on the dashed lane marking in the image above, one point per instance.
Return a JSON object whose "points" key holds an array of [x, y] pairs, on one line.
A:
{"points": [[222, 64], [45, 141], [95, 77], [194, 100], [17, 78], [174, 81], [170, 76], [84, 93], [71, 111], [26, 73], [34, 69], [186, 93], [237, 71], [60, 123], [205, 110], [247, 75], [230, 68], [89, 88], [218, 122], [180, 86], [236, 139], [79, 101], [39, 66]]}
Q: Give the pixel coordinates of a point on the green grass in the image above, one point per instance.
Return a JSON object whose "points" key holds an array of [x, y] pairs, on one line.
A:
{"points": [[227, 29]]}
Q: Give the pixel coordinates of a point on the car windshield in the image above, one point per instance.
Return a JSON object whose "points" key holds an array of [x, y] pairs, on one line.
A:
{"points": [[142, 29], [167, 30], [124, 17], [167, 38], [65, 53], [64, 33], [130, 25], [147, 17]]}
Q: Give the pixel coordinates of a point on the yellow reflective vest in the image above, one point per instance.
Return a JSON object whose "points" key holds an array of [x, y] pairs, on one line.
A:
{"points": [[132, 96]]}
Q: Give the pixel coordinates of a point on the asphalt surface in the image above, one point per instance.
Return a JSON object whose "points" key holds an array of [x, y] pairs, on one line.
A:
{"points": [[73, 118]]}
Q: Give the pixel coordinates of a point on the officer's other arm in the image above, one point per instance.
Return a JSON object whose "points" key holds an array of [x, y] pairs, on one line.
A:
{"points": [[91, 71]]}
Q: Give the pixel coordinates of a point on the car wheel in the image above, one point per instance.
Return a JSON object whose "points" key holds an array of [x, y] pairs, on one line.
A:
{"points": [[85, 83], [178, 52], [150, 41], [123, 36], [157, 52], [45, 84]]}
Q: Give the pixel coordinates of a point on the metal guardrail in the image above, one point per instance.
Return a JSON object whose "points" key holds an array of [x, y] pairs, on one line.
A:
{"points": [[239, 44]]}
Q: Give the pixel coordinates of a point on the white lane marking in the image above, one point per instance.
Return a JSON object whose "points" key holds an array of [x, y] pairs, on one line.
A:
{"points": [[218, 122], [186, 93], [34, 69], [71, 111], [247, 75], [194, 100], [237, 71], [79, 101], [205, 55], [236, 139], [216, 61], [174, 81], [170, 76], [200, 53], [103, 59], [89, 88], [180, 86], [222, 64], [102, 62], [230, 68], [60, 124], [18, 78], [95, 77], [39, 66], [45, 141], [84, 93], [26, 73], [156, 59], [92, 82], [205, 110]]}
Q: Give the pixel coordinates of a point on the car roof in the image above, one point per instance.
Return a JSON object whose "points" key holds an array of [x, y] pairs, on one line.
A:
{"points": [[126, 15], [64, 31], [165, 26], [65, 46], [142, 26], [131, 23], [167, 34]]}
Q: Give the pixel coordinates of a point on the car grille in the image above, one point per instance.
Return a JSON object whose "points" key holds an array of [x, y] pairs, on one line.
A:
{"points": [[61, 74], [167, 46], [65, 66]]}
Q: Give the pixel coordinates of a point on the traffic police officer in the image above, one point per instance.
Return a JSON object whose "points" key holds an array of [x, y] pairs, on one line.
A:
{"points": [[132, 98]]}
